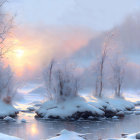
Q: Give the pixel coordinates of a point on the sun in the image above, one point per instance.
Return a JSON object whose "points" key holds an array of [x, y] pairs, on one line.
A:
{"points": [[19, 53]]}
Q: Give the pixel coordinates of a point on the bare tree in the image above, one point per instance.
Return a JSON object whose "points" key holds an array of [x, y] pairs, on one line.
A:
{"points": [[6, 24], [7, 81], [100, 65], [118, 72], [8, 87], [61, 80], [48, 75]]}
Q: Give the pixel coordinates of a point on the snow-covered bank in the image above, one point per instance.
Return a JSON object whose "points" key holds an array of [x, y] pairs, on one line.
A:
{"points": [[112, 106], [74, 108], [135, 136], [7, 137], [79, 108], [68, 135], [7, 110]]}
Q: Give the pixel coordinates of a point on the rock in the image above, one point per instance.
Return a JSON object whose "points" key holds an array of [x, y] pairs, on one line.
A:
{"points": [[137, 112], [37, 105], [115, 117], [124, 135], [120, 114], [137, 103], [23, 120], [31, 108], [128, 112], [138, 135], [8, 118], [109, 113]]}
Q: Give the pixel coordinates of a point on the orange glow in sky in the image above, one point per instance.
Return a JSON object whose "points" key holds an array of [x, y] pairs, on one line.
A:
{"points": [[19, 53], [20, 58]]}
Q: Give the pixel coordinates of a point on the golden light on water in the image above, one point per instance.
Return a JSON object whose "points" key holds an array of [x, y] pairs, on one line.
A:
{"points": [[34, 129]]}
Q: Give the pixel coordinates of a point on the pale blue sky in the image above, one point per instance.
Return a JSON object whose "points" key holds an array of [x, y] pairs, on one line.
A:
{"points": [[95, 14]]}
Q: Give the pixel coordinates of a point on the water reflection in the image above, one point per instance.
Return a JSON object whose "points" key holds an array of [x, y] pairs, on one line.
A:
{"points": [[41, 129]]}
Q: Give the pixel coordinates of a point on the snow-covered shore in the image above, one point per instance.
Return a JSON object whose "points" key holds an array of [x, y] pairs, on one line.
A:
{"points": [[7, 137], [135, 136], [80, 108], [7, 110], [68, 135]]}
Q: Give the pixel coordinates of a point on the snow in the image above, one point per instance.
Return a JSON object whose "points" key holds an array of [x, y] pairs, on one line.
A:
{"points": [[113, 104], [67, 108], [31, 108], [134, 136], [7, 137], [137, 112], [120, 104], [6, 110], [68, 135], [23, 120], [9, 119], [98, 107]]}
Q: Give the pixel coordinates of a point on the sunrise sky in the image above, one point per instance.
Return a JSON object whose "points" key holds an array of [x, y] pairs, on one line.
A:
{"points": [[60, 28]]}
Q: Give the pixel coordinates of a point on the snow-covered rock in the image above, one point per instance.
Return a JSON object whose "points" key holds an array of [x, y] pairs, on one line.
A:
{"points": [[9, 119], [115, 117], [134, 136], [78, 108], [7, 110], [23, 120], [137, 112], [112, 106], [68, 135], [71, 108], [7, 137], [31, 108], [137, 103], [120, 104]]}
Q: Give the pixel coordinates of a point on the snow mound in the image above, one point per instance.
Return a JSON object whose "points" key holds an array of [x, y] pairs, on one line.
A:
{"points": [[134, 136], [7, 110], [71, 108], [112, 106], [120, 104], [31, 108], [68, 135], [9, 119], [23, 120], [7, 137]]}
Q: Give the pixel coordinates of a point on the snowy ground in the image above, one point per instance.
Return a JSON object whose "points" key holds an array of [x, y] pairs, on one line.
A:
{"points": [[79, 108], [68, 135], [7, 137], [134, 136], [7, 110]]}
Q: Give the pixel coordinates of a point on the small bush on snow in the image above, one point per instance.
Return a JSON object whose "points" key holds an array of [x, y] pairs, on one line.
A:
{"points": [[61, 80], [8, 89]]}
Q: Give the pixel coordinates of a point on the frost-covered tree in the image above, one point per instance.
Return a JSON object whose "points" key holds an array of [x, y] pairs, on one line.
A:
{"points": [[8, 87], [61, 80], [6, 24], [101, 64], [118, 65]]}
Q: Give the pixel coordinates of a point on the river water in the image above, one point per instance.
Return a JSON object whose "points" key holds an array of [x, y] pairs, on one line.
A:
{"points": [[39, 129]]}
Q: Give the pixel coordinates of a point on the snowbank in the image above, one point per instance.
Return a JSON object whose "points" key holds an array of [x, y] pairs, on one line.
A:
{"points": [[7, 110], [7, 137], [73, 108], [134, 136], [80, 108], [68, 135], [112, 106]]}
